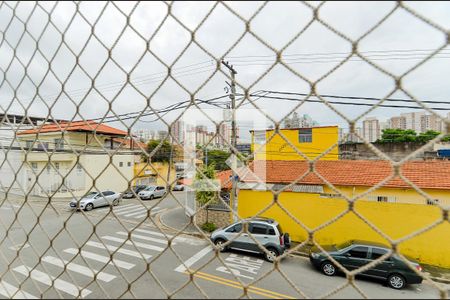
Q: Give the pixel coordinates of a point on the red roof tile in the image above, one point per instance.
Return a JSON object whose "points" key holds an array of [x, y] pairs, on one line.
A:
{"points": [[86, 126], [425, 174]]}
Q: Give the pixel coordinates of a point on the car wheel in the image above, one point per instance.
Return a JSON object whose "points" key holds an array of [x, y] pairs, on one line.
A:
{"points": [[115, 202], [273, 253], [328, 269], [396, 281], [151, 197], [89, 206], [219, 243]]}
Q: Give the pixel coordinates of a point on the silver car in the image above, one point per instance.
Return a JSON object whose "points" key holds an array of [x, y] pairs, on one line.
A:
{"points": [[96, 199], [152, 192], [266, 232]]}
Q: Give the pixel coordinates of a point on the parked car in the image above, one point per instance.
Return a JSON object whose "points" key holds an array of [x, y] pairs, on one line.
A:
{"points": [[96, 199], [152, 192], [266, 231], [178, 187], [129, 194], [355, 254]]}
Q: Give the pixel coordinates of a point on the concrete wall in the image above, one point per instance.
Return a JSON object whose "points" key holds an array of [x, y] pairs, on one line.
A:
{"points": [[395, 151], [278, 149], [396, 220], [219, 217]]}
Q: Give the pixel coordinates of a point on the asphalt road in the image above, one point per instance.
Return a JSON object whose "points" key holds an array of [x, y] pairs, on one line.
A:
{"points": [[37, 241]]}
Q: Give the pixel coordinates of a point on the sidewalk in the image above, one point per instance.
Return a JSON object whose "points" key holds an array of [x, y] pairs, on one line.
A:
{"points": [[177, 220]]}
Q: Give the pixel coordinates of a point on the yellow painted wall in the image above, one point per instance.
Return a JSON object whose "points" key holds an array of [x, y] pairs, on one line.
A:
{"points": [[394, 219], [160, 171], [75, 139], [278, 149]]}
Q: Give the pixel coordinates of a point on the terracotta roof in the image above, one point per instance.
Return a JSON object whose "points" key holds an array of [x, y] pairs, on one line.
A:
{"points": [[296, 128], [225, 180], [86, 126], [126, 143], [425, 174]]}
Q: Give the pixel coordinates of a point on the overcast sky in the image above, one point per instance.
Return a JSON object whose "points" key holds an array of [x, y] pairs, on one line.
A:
{"points": [[401, 42]]}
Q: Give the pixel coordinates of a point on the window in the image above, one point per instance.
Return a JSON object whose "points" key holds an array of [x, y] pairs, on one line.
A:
{"points": [[432, 201], [377, 253], [121, 164], [29, 144], [259, 137], [129, 163], [34, 165], [57, 166], [59, 144], [271, 231], [48, 168], [258, 229], [108, 193], [42, 145], [305, 135], [79, 168], [358, 252], [235, 228], [382, 199]]}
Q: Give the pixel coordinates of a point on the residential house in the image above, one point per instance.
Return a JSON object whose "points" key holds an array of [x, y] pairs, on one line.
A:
{"points": [[342, 191], [303, 143], [64, 159]]}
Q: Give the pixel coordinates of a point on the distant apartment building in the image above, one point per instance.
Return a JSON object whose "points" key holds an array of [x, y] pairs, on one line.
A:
{"points": [[371, 129], [178, 132], [397, 122], [413, 120], [348, 137], [431, 122]]}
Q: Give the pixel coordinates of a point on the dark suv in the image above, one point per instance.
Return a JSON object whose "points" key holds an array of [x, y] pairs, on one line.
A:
{"points": [[266, 232], [355, 254], [129, 194]]}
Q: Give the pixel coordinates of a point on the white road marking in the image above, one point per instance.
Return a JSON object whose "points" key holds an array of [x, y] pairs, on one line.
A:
{"points": [[143, 237], [141, 211], [78, 268], [8, 290], [123, 206], [141, 245], [188, 263], [122, 212], [17, 247], [152, 214], [58, 284], [153, 233], [86, 254], [123, 251]]}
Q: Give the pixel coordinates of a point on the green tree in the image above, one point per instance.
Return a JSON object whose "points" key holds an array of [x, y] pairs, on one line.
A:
{"points": [[164, 152], [397, 136], [217, 158], [427, 136], [206, 191]]}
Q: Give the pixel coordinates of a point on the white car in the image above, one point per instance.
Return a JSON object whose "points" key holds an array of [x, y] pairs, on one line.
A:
{"points": [[96, 199], [152, 192]]}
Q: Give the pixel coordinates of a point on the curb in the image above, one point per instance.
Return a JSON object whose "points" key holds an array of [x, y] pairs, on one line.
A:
{"points": [[159, 218]]}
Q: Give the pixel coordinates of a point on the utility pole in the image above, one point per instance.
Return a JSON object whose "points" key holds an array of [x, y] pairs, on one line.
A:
{"points": [[233, 196]]}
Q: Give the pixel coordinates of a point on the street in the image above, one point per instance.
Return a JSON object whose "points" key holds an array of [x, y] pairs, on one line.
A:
{"points": [[35, 249]]}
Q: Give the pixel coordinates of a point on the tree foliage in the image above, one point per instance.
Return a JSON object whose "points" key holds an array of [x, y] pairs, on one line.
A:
{"points": [[164, 152], [408, 135], [204, 185]]}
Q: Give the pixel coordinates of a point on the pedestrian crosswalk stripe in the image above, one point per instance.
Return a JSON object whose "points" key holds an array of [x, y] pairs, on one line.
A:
{"points": [[126, 211], [153, 233], [144, 211], [86, 254], [57, 283], [142, 237], [9, 290], [152, 214], [124, 206], [78, 268], [138, 244], [123, 251]]}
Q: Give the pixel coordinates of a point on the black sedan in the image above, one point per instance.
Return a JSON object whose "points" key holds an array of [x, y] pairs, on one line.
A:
{"points": [[355, 254], [129, 194]]}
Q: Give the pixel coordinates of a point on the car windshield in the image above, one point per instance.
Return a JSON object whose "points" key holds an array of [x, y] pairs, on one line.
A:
{"points": [[150, 188], [91, 195], [343, 245]]}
